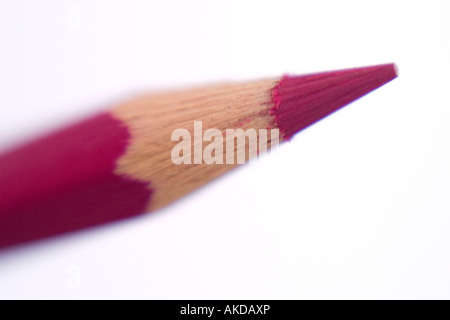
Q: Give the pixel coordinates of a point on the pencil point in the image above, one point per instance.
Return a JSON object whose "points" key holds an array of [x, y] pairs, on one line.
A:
{"points": [[299, 101], [395, 69]]}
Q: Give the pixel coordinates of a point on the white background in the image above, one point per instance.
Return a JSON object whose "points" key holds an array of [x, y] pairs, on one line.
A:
{"points": [[356, 206]]}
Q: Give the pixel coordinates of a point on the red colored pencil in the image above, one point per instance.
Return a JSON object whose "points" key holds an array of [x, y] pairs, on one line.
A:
{"points": [[120, 163]]}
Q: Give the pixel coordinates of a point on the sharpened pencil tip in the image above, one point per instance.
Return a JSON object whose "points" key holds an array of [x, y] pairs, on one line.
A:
{"points": [[395, 69], [300, 101]]}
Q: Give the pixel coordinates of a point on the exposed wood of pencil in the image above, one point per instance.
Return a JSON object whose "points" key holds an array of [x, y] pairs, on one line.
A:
{"points": [[152, 120]]}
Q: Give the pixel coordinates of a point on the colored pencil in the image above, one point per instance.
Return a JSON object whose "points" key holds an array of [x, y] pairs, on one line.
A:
{"points": [[120, 163]]}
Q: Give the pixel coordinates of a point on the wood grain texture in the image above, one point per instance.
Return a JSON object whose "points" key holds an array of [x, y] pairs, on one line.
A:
{"points": [[152, 119]]}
